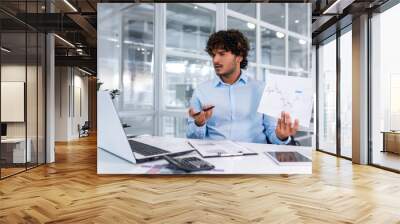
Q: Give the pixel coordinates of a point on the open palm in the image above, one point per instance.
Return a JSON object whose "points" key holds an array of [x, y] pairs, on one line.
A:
{"points": [[285, 127]]}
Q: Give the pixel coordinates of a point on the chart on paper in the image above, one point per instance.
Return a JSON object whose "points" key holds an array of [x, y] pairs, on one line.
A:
{"points": [[289, 94]]}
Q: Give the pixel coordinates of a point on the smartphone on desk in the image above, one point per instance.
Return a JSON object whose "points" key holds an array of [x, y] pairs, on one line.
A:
{"points": [[189, 164]]}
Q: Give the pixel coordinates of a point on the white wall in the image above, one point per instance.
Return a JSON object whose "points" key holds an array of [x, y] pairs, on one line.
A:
{"points": [[70, 83], [61, 103], [17, 73]]}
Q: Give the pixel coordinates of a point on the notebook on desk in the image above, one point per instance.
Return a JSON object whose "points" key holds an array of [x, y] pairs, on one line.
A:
{"points": [[221, 148]]}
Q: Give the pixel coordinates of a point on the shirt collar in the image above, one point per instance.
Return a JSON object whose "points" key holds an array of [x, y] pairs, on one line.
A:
{"points": [[243, 78]]}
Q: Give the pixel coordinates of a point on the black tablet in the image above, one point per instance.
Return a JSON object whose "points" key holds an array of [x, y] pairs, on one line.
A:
{"points": [[288, 158]]}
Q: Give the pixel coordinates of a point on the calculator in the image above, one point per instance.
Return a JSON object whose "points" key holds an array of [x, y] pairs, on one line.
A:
{"points": [[189, 164]]}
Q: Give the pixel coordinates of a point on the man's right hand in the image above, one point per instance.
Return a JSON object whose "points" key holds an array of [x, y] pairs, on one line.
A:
{"points": [[201, 118]]}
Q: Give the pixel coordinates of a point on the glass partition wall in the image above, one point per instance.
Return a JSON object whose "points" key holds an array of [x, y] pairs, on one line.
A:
{"points": [[385, 90], [154, 54], [22, 87], [334, 59], [327, 78]]}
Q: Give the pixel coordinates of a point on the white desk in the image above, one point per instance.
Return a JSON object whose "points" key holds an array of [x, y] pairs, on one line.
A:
{"points": [[107, 163], [18, 153]]}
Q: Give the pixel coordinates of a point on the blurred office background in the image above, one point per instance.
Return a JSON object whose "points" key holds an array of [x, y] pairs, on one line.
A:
{"points": [[154, 54]]}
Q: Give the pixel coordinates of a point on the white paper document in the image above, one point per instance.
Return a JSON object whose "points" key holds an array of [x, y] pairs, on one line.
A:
{"points": [[164, 142], [290, 94], [214, 148]]}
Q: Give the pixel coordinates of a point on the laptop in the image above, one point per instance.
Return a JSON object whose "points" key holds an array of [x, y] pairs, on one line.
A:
{"points": [[112, 138]]}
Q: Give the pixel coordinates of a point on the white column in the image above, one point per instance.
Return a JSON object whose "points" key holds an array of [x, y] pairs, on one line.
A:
{"points": [[221, 18], [360, 90], [50, 99], [159, 61]]}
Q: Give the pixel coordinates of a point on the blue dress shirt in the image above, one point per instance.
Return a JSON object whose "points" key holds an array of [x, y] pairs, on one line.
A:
{"points": [[235, 115]]}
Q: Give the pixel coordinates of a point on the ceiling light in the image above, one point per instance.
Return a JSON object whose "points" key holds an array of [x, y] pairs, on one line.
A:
{"points": [[337, 7], [79, 50], [251, 26], [5, 50], [302, 42], [280, 34], [296, 21], [195, 7], [65, 41], [70, 5], [86, 72]]}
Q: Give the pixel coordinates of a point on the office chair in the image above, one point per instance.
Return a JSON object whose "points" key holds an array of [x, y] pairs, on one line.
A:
{"points": [[84, 130]]}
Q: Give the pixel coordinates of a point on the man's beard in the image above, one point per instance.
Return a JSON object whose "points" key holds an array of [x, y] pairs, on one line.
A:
{"points": [[229, 73]]}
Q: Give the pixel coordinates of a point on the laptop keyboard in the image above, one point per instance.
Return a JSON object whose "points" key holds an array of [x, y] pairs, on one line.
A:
{"points": [[146, 150]]}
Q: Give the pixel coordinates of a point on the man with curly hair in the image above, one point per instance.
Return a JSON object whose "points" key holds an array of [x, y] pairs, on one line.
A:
{"points": [[235, 97]]}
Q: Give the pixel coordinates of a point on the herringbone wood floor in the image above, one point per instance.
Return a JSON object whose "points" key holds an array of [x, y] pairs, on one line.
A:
{"points": [[70, 191]]}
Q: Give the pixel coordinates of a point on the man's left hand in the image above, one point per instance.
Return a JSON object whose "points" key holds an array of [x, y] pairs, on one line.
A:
{"points": [[285, 127]]}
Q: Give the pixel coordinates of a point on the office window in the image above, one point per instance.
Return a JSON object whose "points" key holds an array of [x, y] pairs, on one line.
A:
{"points": [[174, 126], [273, 13], [272, 47], [137, 78], [182, 76], [137, 124], [126, 56], [41, 98], [327, 96], [184, 71], [273, 72], [346, 93], [249, 30], [298, 54], [137, 52], [299, 18], [188, 27], [243, 8], [109, 47], [385, 89], [32, 100], [251, 71]]}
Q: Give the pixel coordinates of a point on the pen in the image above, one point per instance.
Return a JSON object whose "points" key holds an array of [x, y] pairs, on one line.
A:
{"points": [[207, 109], [191, 145]]}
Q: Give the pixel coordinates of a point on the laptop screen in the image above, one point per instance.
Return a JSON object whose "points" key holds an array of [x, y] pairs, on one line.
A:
{"points": [[111, 135]]}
